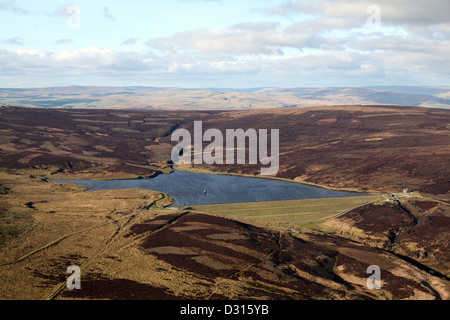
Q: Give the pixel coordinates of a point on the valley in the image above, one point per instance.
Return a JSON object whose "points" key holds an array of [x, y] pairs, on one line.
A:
{"points": [[132, 244]]}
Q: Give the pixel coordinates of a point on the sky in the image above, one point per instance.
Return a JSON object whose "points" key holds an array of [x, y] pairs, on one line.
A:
{"points": [[224, 43]]}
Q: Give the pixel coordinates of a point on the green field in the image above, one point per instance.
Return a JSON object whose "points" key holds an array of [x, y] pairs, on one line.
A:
{"points": [[301, 211]]}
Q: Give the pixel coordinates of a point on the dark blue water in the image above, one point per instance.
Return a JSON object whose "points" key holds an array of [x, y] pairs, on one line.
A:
{"points": [[187, 188]]}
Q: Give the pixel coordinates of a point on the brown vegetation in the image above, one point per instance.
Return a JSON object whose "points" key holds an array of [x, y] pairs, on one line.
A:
{"points": [[413, 227], [130, 248]]}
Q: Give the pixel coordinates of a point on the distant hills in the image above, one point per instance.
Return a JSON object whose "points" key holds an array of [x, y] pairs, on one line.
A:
{"points": [[147, 98]]}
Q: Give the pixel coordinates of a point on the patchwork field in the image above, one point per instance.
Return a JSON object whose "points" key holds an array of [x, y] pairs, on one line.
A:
{"points": [[299, 211]]}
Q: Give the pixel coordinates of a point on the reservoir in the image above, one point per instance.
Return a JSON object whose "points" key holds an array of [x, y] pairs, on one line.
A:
{"points": [[192, 188]]}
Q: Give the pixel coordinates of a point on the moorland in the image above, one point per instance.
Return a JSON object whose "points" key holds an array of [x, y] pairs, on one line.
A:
{"points": [[130, 244]]}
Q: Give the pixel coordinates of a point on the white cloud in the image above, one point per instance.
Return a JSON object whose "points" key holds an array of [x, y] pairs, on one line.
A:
{"points": [[63, 41], [333, 64], [130, 41], [294, 43], [62, 11], [354, 12], [89, 59], [10, 5], [249, 38], [13, 41]]}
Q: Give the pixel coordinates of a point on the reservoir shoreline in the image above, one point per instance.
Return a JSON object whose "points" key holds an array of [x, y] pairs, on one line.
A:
{"points": [[188, 187]]}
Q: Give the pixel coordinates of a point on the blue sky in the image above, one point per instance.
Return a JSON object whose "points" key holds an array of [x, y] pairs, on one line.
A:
{"points": [[107, 24], [224, 43]]}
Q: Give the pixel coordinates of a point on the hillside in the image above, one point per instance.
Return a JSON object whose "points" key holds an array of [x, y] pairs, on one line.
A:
{"points": [[152, 98], [129, 247], [373, 148]]}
